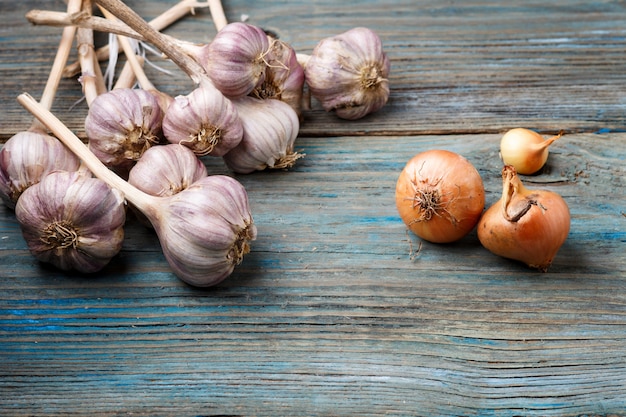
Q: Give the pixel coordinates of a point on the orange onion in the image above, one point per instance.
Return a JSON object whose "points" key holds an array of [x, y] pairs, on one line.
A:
{"points": [[525, 225], [525, 149], [440, 196]]}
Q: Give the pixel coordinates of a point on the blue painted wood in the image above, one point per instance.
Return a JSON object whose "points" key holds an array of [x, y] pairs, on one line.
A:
{"points": [[331, 313]]}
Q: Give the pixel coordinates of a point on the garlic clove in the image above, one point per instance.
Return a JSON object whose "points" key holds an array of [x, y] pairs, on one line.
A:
{"points": [[121, 124], [26, 158], [72, 221], [235, 59], [270, 128], [206, 230], [205, 121], [348, 73]]}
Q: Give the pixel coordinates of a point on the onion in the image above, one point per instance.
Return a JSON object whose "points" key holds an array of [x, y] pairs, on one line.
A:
{"points": [[525, 149], [525, 225], [440, 196]]}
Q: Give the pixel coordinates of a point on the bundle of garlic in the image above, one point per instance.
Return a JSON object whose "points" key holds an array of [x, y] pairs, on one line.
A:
{"points": [[204, 230], [144, 146]]}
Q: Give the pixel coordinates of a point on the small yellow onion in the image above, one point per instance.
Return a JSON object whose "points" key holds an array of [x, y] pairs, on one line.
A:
{"points": [[525, 225], [440, 196], [525, 150]]}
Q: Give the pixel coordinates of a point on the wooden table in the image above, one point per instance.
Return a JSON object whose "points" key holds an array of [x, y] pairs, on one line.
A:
{"points": [[330, 315]]}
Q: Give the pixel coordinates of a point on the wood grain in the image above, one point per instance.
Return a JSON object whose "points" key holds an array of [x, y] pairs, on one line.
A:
{"points": [[475, 67], [333, 313]]}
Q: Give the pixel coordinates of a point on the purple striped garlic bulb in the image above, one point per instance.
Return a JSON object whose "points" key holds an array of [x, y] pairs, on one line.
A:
{"points": [[166, 170], [284, 76], [348, 73], [235, 59], [206, 230], [72, 221], [204, 120], [121, 125], [270, 128], [26, 158]]}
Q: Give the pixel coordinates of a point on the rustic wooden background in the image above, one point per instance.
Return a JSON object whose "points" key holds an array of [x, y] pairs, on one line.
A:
{"points": [[331, 315]]}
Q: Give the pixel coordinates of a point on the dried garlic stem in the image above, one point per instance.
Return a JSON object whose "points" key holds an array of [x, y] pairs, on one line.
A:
{"points": [[163, 43], [51, 18], [65, 46], [137, 197], [176, 12], [217, 14], [91, 75], [131, 57], [126, 78], [56, 72]]}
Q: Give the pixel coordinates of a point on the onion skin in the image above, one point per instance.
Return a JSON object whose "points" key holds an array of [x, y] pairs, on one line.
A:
{"points": [[525, 225], [440, 196]]}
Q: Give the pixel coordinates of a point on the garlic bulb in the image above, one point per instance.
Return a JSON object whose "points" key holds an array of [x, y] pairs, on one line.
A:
{"points": [[348, 73], [270, 128], [26, 158], [205, 121], [206, 230], [166, 170], [72, 221], [235, 59], [121, 124], [284, 76]]}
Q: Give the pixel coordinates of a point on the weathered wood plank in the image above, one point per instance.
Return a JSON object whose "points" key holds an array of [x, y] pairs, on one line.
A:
{"points": [[329, 315], [465, 68]]}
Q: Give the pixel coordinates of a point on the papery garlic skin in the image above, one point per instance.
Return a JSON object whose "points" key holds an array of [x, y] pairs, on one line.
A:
{"points": [[121, 125], [166, 170], [206, 230], [284, 76], [235, 59], [72, 221], [26, 158], [270, 129], [348, 73], [205, 121], [525, 225]]}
